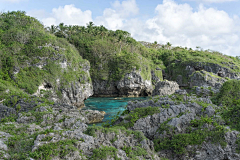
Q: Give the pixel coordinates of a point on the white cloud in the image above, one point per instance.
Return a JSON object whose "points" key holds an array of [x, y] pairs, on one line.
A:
{"points": [[69, 15], [213, 1], [12, 1], [115, 17], [179, 24], [176, 23]]}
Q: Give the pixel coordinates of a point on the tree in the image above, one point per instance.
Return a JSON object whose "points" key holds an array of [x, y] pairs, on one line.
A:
{"points": [[61, 31], [102, 31], [120, 40], [52, 29], [169, 45], [154, 44], [90, 27], [130, 41]]}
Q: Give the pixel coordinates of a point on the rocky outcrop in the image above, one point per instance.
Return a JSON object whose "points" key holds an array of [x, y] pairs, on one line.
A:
{"points": [[93, 116], [72, 94], [59, 112], [3, 145], [6, 111], [155, 78], [163, 88], [206, 79], [179, 113], [181, 73], [78, 90], [133, 84], [63, 128]]}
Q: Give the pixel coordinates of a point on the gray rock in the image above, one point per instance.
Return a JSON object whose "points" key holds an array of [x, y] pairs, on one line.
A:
{"points": [[6, 111], [163, 88], [178, 118], [205, 79], [131, 85]]}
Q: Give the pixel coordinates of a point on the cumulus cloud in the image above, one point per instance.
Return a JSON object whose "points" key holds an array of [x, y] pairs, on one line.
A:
{"points": [[182, 26], [213, 1], [115, 17], [178, 24], [69, 15]]}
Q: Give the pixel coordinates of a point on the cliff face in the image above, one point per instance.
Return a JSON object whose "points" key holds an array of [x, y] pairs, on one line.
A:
{"points": [[39, 63], [184, 126], [74, 92], [187, 74], [131, 85]]}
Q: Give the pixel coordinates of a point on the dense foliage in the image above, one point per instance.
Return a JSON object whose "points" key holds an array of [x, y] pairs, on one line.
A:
{"points": [[30, 56], [112, 54], [229, 99]]}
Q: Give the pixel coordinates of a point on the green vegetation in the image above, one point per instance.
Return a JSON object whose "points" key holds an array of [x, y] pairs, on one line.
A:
{"points": [[134, 115], [111, 54], [132, 152], [196, 134], [115, 129], [229, 98], [30, 56], [104, 152], [60, 148], [228, 93]]}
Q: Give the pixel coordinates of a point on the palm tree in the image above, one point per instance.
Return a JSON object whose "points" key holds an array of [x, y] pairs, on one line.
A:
{"points": [[102, 31], [61, 30], [169, 45], [90, 27], [70, 30], [52, 29], [120, 40]]}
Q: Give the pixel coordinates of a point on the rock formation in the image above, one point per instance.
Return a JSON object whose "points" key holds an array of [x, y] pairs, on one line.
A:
{"points": [[180, 117], [61, 133], [163, 88], [133, 84]]}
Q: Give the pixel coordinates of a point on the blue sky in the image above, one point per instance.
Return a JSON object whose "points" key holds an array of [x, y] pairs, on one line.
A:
{"points": [[210, 24]]}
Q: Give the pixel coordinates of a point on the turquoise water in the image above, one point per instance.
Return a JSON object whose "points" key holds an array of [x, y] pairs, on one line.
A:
{"points": [[110, 105]]}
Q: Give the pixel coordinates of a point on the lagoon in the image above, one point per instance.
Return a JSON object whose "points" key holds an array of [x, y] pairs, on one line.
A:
{"points": [[110, 105]]}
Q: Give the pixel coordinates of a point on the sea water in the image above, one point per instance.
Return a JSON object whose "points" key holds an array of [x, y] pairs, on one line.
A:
{"points": [[110, 105]]}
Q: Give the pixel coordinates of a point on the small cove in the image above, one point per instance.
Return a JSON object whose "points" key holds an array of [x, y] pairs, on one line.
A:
{"points": [[110, 105]]}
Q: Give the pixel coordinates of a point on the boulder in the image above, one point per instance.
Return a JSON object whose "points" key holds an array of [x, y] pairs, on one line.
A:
{"points": [[131, 85], [163, 88]]}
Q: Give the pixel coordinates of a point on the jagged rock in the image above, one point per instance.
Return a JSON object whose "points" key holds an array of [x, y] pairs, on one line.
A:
{"points": [[78, 90], [205, 79], [178, 117], [204, 92], [6, 111], [93, 116], [131, 85], [3, 145], [134, 85], [182, 77], [181, 92], [155, 79], [163, 88], [103, 88]]}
